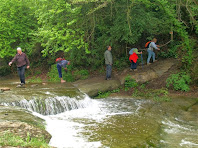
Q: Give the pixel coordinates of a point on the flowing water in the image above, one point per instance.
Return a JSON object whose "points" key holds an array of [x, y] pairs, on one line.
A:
{"points": [[77, 121]]}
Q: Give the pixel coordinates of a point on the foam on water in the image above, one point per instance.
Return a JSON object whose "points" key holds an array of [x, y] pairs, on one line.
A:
{"points": [[184, 143]]}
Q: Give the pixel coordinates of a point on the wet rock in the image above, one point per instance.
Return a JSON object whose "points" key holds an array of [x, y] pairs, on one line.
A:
{"points": [[4, 89], [34, 85], [95, 85], [21, 122], [148, 73]]}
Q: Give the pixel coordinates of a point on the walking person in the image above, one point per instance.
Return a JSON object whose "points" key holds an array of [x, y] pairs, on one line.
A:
{"points": [[150, 51], [133, 59], [22, 62], [108, 62], [62, 63]]}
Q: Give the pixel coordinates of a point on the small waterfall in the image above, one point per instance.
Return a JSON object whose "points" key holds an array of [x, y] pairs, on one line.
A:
{"points": [[51, 106]]}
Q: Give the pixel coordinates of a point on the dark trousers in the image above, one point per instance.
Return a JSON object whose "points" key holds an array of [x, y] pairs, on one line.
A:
{"points": [[108, 71], [133, 65], [59, 70], [21, 73]]}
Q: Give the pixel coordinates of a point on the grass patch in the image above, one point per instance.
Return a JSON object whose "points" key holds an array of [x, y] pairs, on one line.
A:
{"points": [[10, 139], [159, 95], [35, 79], [106, 94]]}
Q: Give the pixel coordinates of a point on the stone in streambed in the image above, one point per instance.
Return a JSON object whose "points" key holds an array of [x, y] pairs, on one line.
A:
{"points": [[4, 89]]}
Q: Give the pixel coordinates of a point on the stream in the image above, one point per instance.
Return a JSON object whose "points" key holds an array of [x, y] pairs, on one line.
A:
{"points": [[76, 121]]}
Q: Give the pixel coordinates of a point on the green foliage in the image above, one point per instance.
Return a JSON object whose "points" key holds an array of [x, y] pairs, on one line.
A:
{"points": [[194, 71], [9, 139], [69, 77], [58, 30], [82, 29], [162, 99], [159, 95], [5, 70], [106, 94], [54, 77], [103, 94], [179, 81], [129, 82], [81, 74], [115, 91], [35, 79], [17, 23], [121, 63], [53, 74], [172, 50]]}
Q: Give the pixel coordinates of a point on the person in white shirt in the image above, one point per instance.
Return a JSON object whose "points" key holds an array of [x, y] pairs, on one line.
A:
{"points": [[150, 51]]}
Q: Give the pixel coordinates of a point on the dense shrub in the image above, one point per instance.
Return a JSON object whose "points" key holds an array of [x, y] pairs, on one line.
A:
{"points": [[179, 81], [4, 70], [130, 83]]}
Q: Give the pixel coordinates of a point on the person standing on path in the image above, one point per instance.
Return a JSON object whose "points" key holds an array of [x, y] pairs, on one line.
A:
{"points": [[22, 62], [133, 59], [150, 51], [108, 62], [62, 63]]}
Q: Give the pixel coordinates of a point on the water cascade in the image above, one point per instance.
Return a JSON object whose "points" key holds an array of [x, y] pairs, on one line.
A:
{"points": [[52, 105]]}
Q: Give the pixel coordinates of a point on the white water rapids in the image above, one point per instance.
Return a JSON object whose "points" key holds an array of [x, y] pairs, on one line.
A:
{"points": [[66, 127], [72, 122]]}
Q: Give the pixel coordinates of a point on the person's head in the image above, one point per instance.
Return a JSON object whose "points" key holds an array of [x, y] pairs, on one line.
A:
{"points": [[154, 40], [109, 48], [19, 51]]}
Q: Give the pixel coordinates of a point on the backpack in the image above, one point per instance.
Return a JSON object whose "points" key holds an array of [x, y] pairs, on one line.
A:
{"points": [[147, 44], [59, 59]]}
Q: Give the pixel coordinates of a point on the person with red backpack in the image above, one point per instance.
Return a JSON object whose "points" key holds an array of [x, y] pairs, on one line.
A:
{"points": [[133, 59], [151, 45], [61, 62]]}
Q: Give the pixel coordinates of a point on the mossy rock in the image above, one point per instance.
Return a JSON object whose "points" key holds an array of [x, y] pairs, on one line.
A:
{"points": [[22, 123]]}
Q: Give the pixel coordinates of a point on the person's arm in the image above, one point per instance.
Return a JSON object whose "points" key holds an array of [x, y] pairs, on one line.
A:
{"points": [[27, 60], [154, 46], [13, 60]]}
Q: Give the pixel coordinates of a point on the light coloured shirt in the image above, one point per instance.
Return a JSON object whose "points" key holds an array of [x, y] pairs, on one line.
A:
{"points": [[152, 46]]}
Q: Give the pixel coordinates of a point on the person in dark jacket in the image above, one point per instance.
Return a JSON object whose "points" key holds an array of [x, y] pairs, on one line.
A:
{"points": [[22, 62], [133, 59]]}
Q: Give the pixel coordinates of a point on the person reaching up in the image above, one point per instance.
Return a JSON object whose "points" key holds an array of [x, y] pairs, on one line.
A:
{"points": [[150, 51]]}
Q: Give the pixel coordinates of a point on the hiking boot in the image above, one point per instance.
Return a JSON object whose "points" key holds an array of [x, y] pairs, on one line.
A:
{"points": [[20, 86], [134, 69], [154, 61], [148, 63]]}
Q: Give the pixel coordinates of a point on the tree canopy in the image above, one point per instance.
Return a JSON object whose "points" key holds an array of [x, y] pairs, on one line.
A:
{"points": [[83, 28]]}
